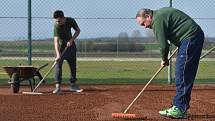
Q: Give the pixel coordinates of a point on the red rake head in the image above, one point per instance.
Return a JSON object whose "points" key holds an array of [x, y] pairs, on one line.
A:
{"points": [[128, 116]]}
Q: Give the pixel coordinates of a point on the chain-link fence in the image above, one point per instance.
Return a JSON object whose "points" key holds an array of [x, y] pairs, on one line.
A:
{"points": [[108, 27]]}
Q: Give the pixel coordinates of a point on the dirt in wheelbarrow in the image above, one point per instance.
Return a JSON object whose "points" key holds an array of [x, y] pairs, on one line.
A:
{"points": [[98, 102]]}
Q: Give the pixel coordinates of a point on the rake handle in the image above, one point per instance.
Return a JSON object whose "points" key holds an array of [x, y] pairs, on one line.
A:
{"points": [[158, 71], [209, 51], [47, 73]]}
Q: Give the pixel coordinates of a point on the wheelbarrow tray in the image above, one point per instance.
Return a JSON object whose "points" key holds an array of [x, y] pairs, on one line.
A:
{"points": [[24, 72]]}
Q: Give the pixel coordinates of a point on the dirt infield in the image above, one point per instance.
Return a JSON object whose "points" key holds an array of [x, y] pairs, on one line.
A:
{"points": [[98, 102]]}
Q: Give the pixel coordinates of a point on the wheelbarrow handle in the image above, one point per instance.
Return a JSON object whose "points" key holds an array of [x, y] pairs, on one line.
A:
{"points": [[42, 66]]}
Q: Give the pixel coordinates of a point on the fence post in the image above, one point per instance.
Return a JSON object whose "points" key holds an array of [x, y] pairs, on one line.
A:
{"points": [[170, 60], [29, 34]]}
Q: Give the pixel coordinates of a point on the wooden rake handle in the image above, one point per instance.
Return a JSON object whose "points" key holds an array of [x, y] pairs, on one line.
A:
{"points": [[47, 73], [158, 71], [209, 51]]}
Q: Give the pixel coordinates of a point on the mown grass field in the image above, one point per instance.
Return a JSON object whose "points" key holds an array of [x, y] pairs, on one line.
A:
{"points": [[113, 72]]}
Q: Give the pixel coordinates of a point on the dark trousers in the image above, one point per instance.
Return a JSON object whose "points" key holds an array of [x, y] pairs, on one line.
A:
{"points": [[186, 66], [70, 56]]}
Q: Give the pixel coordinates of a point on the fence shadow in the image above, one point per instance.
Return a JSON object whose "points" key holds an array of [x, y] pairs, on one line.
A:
{"points": [[201, 116]]}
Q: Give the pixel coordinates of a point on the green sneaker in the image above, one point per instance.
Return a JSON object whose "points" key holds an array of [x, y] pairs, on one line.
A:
{"points": [[165, 112], [173, 112], [75, 88]]}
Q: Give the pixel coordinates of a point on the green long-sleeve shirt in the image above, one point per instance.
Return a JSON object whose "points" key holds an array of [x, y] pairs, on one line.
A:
{"points": [[173, 25]]}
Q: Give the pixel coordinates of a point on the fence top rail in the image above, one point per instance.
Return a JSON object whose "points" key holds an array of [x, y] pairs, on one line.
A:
{"points": [[16, 17]]}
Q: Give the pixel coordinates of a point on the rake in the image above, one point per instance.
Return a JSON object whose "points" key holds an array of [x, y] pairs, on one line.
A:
{"points": [[126, 115]]}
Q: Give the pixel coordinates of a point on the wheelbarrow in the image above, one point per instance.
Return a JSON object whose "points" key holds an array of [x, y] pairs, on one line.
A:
{"points": [[18, 74]]}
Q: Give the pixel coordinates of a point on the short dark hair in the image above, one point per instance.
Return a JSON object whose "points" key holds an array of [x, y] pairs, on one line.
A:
{"points": [[58, 14]]}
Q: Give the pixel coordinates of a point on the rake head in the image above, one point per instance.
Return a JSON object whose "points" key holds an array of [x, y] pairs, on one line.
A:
{"points": [[32, 93], [128, 116]]}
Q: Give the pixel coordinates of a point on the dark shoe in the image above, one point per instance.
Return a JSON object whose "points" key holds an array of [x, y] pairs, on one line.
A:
{"points": [[75, 88]]}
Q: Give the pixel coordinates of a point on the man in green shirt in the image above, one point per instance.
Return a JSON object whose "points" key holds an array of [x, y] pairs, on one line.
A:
{"points": [[174, 26], [65, 48]]}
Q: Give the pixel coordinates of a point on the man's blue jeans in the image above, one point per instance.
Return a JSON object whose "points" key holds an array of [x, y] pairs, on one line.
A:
{"points": [[70, 56], [186, 66]]}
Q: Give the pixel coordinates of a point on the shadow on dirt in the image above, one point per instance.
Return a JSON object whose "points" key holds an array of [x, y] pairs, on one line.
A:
{"points": [[200, 116]]}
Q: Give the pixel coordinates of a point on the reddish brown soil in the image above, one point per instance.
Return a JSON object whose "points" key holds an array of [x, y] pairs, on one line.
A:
{"points": [[98, 102]]}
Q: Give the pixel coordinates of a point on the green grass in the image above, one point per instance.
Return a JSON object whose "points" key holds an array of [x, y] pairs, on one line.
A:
{"points": [[113, 72]]}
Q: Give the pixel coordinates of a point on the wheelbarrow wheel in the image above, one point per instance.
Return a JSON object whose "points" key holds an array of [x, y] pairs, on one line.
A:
{"points": [[15, 83]]}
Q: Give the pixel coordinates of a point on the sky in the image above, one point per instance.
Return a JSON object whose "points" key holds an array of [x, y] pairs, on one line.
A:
{"points": [[17, 28]]}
